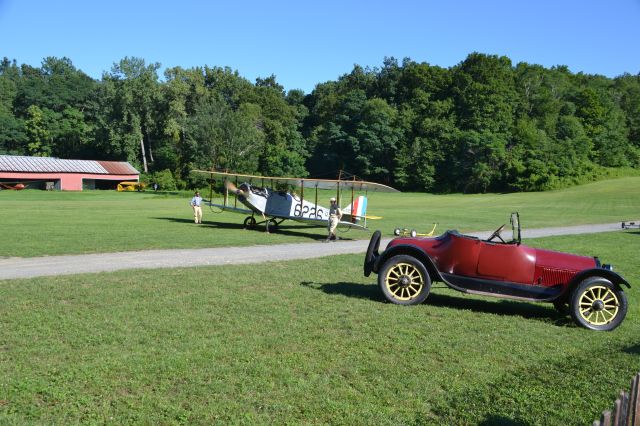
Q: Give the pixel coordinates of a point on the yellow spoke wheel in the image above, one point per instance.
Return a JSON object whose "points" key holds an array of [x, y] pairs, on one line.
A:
{"points": [[404, 280], [597, 304]]}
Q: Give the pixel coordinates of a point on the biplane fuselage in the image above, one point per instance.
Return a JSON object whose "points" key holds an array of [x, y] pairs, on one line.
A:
{"points": [[281, 204]]}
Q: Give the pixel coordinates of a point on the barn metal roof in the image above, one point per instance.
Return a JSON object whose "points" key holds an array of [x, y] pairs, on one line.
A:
{"points": [[17, 163], [118, 168]]}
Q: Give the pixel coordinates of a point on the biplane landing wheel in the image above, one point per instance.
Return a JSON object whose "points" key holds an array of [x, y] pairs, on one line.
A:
{"points": [[250, 222], [272, 225]]}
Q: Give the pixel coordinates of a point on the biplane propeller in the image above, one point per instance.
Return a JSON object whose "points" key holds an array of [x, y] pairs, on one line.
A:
{"points": [[258, 195]]}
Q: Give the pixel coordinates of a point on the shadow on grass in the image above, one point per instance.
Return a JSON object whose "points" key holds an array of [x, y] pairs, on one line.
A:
{"points": [[502, 307], [501, 421], [356, 290], [545, 313], [289, 230], [633, 350]]}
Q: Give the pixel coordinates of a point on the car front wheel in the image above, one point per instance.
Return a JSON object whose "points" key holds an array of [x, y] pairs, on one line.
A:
{"points": [[404, 280], [597, 304]]}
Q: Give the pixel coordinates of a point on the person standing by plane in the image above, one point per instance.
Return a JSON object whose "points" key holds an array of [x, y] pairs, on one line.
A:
{"points": [[196, 203], [335, 215]]}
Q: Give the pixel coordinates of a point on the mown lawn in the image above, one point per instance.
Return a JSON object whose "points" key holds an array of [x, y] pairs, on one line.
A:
{"points": [[304, 342], [36, 223]]}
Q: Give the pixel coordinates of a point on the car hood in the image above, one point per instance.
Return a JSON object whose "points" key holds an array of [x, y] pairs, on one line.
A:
{"points": [[558, 260]]}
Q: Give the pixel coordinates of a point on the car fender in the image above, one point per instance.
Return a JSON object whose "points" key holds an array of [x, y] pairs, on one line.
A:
{"points": [[615, 278], [604, 273], [410, 250]]}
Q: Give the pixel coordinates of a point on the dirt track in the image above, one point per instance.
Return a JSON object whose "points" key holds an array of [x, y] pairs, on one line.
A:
{"points": [[16, 267]]}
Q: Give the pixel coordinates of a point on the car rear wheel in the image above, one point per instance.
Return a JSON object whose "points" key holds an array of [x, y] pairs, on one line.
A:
{"points": [[404, 280], [597, 304]]}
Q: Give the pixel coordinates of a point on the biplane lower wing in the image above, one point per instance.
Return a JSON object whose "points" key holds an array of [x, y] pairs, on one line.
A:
{"points": [[229, 208], [324, 222]]}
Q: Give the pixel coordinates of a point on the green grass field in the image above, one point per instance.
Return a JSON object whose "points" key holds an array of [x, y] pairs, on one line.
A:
{"points": [[36, 223], [304, 342]]}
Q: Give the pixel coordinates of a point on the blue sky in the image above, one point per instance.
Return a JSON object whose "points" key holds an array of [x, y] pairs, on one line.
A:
{"points": [[307, 42]]}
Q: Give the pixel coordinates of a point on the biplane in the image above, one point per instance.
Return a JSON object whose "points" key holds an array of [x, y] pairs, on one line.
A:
{"points": [[275, 199], [16, 186]]}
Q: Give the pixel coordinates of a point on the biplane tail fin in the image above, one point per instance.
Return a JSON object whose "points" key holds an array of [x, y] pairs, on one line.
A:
{"points": [[357, 210]]}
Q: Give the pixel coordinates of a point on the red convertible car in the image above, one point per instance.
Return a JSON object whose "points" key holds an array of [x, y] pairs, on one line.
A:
{"points": [[495, 267]]}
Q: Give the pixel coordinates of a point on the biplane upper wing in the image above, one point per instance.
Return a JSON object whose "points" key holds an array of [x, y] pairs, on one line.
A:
{"points": [[358, 185]]}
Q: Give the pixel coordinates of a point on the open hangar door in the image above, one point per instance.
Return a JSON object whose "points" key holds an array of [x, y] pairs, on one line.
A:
{"points": [[43, 184], [102, 184]]}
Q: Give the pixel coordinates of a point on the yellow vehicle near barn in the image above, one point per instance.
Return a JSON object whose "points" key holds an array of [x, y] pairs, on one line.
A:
{"points": [[131, 186]]}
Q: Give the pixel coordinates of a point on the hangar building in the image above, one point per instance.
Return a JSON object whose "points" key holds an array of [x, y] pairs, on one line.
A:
{"points": [[66, 175]]}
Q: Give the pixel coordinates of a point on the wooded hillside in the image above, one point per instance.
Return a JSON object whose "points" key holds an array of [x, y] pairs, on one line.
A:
{"points": [[482, 125]]}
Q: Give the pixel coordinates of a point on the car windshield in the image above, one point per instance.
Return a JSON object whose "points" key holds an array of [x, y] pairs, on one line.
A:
{"points": [[515, 226]]}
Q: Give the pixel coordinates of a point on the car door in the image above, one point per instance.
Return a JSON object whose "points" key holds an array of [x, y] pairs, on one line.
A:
{"points": [[506, 262]]}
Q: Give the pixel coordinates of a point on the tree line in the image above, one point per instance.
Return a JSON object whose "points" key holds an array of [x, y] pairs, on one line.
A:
{"points": [[482, 125]]}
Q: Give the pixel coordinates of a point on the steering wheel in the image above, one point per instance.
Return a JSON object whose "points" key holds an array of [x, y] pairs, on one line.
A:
{"points": [[496, 233]]}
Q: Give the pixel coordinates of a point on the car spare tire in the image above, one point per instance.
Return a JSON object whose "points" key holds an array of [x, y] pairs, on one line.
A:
{"points": [[372, 253]]}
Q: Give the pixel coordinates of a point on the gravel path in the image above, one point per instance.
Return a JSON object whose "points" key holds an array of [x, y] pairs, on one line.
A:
{"points": [[17, 267]]}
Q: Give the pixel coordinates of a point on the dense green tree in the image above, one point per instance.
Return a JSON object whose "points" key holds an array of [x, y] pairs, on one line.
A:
{"points": [[225, 139], [485, 95], [604, 124], [628, 86], [13, 138], [182, 93], [38, 136], [284, 151], [134, 96], [73, 134]]}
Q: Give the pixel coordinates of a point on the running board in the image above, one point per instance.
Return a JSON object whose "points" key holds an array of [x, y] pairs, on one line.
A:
{"points": [[504, 289]]}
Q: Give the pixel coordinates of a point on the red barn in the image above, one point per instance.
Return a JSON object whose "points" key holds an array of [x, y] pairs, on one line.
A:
{"points": [[66, 175]]}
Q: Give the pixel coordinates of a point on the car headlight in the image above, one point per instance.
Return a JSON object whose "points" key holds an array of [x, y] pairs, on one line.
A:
{"points": [[607, 267]]}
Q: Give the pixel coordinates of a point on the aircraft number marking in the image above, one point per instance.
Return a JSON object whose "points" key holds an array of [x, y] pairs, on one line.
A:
{"points": [[305, 211]]}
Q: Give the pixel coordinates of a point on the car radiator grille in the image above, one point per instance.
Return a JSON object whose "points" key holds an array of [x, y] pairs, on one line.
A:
{"points": [[553, 276]]}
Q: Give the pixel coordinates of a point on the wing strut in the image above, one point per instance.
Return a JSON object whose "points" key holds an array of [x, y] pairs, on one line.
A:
{"points": [[302, 197], [316, 200], [211, 188], [353, 219], [235, 199]]}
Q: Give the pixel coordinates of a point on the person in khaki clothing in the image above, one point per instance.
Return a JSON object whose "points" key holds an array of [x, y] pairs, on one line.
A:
{"points": [[335, 215], [196, 204]]}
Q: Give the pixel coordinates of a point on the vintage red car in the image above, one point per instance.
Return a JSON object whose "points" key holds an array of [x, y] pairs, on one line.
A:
{"points": [[495, 267]]}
